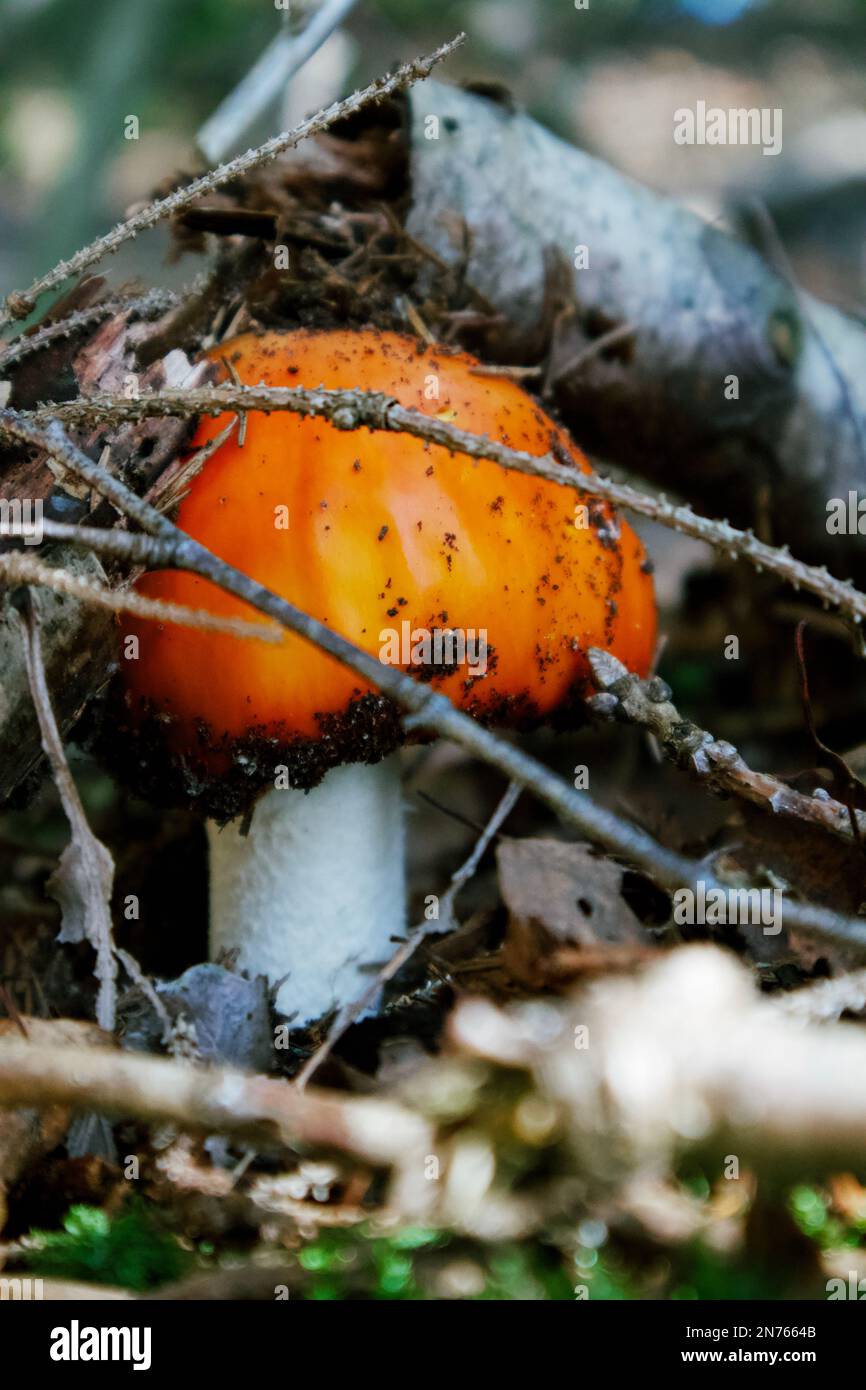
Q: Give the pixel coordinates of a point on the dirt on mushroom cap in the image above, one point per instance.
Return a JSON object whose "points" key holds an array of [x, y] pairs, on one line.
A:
{"points": [[386, 539]]}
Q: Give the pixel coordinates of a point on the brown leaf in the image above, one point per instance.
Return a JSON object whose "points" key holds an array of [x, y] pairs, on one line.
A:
{"points": [[565, 903]]}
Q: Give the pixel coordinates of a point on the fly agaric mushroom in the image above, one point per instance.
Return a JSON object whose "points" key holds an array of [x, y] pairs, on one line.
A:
{"points": [[402, 548]]}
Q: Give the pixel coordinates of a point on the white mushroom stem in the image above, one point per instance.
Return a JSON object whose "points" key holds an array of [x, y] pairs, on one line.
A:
{"points": [[316, 890]]}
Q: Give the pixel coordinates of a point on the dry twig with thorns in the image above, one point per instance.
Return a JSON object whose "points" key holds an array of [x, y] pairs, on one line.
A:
{"points": [[353, 409]]}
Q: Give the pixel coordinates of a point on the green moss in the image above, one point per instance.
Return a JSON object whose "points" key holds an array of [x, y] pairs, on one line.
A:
{"points": [[408, 1266], [129, 1250]]}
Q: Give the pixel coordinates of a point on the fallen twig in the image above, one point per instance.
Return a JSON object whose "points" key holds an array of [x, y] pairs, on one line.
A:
{"points": [[83, 880], [843, 775], [173, 485], [267, 78], [353, 409], [685, 1058], [611, 338], [212, 1100], [21, 568], [138, 977], [153, 302], [717, 763], [734, 383], [20, 304]]}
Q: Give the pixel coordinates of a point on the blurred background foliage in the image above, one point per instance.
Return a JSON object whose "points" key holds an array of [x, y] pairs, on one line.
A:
{"points": [[608, 76]]}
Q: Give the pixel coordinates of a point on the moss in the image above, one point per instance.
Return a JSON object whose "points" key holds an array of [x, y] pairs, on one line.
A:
{"points": [[130, 1249]]}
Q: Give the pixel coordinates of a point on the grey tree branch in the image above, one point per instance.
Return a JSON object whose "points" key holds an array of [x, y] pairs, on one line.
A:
{"points": [[778, 1094], [153, 302], [21, 303], [266, 79], [21, 568], [83, 881], [654, 1084], [207, 1099], [715, 762]]}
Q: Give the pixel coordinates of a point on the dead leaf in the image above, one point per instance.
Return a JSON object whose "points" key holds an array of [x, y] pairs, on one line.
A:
{"points": [[81, 883], [227, 1015], [565, 903]]}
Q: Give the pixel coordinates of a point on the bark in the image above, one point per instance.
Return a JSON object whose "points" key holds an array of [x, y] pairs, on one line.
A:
{"points": [[507, 202]]}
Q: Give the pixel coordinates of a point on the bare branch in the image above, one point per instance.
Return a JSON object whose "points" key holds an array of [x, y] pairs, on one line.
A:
{"points": [[207, 1099], [469, 867], [83, 881], [734, 398], [173, 485], [21, 303], [57, 444], [353, 409], [598, 345], [21, 568], [154, 302], [779, 1094], [114, 544], [142, 981], [264, 82], [714, 761]]}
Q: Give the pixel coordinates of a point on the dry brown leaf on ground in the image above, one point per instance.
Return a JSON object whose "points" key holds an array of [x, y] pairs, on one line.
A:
{"points": [[566, 912]]}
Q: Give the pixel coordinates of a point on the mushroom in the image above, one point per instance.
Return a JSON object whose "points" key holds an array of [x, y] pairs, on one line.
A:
{"points": [[489, 583]]}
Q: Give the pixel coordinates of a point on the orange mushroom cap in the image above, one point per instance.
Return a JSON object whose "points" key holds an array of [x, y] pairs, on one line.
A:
{"points": [[370, 531]]}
